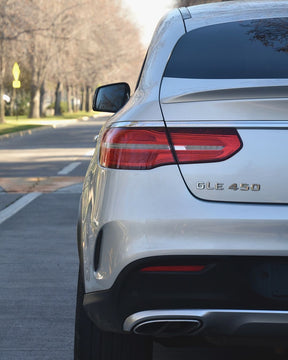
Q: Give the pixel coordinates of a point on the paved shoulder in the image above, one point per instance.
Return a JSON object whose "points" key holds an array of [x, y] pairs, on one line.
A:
{"points": [[38, 272]]}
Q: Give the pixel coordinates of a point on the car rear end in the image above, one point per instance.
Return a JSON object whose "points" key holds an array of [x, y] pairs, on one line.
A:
{"points": [[188, 234]]}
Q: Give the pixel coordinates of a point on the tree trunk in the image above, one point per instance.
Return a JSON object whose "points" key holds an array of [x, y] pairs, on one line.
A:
{"points": [[58, 95], [88, 105], [83, 99], [34, 102], [42, 95], [13, 103], [2, 105], [69, 100], [73, 96]]}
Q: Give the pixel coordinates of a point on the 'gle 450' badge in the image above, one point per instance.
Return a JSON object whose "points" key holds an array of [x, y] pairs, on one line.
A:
{"points": [[202, 185]]}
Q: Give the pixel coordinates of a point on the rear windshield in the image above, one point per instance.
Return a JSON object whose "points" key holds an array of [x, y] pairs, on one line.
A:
{"points": [[237, 50]]}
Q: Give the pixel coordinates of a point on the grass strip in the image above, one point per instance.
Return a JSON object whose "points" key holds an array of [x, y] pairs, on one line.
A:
{"points": [[8, 128], [21, 123]]}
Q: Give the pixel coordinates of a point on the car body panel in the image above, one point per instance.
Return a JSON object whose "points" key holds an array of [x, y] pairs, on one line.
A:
{"points": [[136, 227], [181, 100], [255, 174]]}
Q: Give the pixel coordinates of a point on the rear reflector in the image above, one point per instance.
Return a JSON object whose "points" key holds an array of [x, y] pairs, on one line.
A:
{"points": [[178, 268], [146, 148]]}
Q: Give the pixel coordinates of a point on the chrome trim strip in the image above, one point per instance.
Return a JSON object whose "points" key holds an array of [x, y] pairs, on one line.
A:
{"points": [[198, 147], [136, 146], [219, 319], [119, 146]]}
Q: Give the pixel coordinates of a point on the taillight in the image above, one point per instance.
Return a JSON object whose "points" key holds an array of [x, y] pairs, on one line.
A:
{"points": [[135, 148], [143, 148], [197, 145]]}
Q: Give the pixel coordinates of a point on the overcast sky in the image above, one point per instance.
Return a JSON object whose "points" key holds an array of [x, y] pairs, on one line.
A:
{"points": [[147, 13]]}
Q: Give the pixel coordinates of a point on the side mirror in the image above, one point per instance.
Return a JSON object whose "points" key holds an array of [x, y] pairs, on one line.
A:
{"points": [[111, 98]]}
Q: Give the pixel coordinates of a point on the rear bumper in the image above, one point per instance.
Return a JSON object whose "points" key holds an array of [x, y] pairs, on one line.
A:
{"points": [[231, 296], [151, 213], [215, 322]]}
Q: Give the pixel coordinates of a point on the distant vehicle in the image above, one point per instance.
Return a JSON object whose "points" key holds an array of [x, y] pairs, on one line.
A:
{"points": [[183, 224]]}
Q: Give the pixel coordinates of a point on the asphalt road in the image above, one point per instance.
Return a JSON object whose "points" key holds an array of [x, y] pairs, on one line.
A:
{"points": [[39, 196], [38, 271], [38, 256], [47, 152]]}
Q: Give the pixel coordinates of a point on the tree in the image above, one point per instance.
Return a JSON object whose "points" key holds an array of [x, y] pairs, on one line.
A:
{"points": [[270, 34], [43, 46], [76, 44], [12, 25], [98, 53]]}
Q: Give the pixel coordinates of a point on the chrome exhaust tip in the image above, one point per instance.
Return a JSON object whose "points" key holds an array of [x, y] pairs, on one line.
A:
{"points": [[167, 327]]}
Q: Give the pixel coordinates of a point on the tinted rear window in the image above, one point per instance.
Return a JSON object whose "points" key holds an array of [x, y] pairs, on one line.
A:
{"points": [[237, 50]]}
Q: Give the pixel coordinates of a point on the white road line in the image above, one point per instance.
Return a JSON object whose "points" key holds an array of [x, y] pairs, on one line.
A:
{"points": [[17, 206], [90, 152], [67, 169]]}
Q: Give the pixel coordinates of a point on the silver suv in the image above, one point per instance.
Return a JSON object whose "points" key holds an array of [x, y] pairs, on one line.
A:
{"points": [[183, 225]]}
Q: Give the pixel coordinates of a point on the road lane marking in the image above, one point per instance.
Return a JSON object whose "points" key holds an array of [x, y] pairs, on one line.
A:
{"points": [[90, 153], [67, 169], [17, 206]]}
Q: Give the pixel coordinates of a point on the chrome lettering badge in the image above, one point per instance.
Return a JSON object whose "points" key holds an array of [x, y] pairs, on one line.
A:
{"points": [[202, 185]]}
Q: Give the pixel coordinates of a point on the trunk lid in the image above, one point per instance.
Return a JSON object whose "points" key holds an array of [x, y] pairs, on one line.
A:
{"points": [[257, 173]]}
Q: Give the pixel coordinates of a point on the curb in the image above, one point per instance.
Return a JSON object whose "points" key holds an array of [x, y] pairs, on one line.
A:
{"points": [[25, 132]]}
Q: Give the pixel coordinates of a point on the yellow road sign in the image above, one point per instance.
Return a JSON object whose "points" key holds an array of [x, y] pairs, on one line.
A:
{"points": [[16, 73], [16, 84]]}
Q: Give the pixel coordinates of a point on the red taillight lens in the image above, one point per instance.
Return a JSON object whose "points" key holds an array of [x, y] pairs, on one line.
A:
{"points": [[147, 148], [204, 144], [177, 268], [135, 148]]}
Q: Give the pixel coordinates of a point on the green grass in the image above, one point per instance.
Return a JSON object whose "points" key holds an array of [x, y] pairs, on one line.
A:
{"points": [[20, 117], [76, 115], [21, 123], [11, 128]]}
